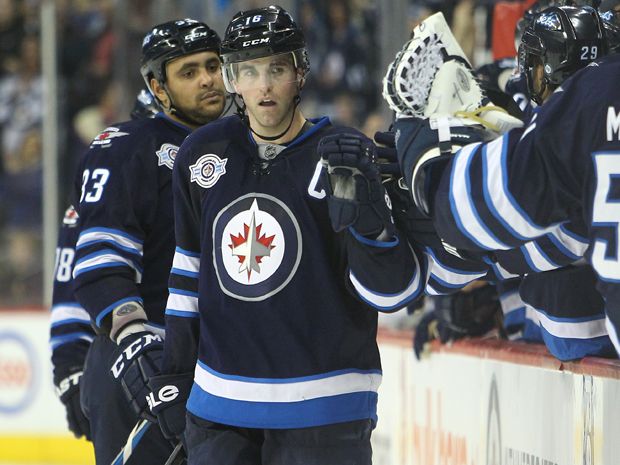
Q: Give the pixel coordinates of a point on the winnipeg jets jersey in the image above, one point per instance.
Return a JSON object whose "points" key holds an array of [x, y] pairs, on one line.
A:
{"points": [[565, 162], [70, 329], [126, 239], [259, 286]]}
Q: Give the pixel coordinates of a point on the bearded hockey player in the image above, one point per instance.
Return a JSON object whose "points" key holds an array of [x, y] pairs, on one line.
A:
{"points": [[126, 238]]}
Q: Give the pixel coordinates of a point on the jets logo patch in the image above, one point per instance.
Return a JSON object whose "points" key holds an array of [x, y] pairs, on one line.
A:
{"points": [[104, 139], [71, 217], [257, 247], [166, 155], [207, 170]]}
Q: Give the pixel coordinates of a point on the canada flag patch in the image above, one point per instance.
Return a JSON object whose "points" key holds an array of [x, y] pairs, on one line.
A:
{"points": [[104, 139]]}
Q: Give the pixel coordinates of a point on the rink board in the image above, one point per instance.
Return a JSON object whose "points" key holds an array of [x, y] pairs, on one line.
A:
{"points": [[494, 403], [483, 402]]}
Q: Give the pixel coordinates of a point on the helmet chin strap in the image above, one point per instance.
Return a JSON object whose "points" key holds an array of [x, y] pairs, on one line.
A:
{"points": [[244, 117], [174, 110]]}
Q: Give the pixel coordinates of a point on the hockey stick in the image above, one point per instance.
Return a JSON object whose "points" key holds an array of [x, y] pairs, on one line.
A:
{"points": [[132, 441], [177, 457]]}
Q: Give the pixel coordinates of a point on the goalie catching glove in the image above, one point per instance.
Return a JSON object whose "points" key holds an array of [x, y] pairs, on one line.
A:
{"points": [[355, 195]]}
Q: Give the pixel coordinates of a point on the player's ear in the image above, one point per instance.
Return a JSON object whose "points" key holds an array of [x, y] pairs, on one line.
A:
{"points": [[160, 93]]}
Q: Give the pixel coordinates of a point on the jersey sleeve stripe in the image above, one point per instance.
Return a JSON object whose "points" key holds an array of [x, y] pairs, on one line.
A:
{"points": [[187, 252], [124, 240], [182, 313], [462, 206], [576, 246], [565, 328], [61, 312], [183, 292], [182, 303], [536, 258], [184, 262], [104, 259], [57, 341], [189, 274], [387, 302], [499, 271], [510, 213]]}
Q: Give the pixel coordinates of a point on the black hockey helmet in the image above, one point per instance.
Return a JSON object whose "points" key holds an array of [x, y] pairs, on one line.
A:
{"points": [[609, 11], [563, 40], [172, 40], [260, 33], [145, 105]]}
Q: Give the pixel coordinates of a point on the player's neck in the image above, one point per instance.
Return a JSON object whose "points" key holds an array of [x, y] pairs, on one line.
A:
{"points": [[298, 122]]}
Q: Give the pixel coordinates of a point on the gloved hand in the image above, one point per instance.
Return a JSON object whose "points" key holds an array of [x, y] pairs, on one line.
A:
{"points": [[419, 228], [467, 313], [136, 359], [167, 399], [355, 196], [68, 390], [425, 144]]}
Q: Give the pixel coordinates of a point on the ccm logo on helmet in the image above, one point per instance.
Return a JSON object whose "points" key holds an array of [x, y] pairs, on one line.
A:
{"points": [[264, 40], [165, 394], [134, 349]]}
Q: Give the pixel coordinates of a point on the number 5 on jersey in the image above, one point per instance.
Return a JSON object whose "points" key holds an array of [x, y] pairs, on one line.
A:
{"points": [[606, 213], [93, 184]]}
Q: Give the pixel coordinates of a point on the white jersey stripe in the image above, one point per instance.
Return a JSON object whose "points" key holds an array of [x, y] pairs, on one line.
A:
{"points": [[515, 221], [95, 235], [185, 262], [68, 312], [279, 391], [462, 205]]}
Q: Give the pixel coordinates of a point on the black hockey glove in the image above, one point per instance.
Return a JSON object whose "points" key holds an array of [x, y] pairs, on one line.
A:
{"points": [[424, 146], [407, 217], [467, 313], [355, 196], [167, 399], [68, 390], [136, 359]]}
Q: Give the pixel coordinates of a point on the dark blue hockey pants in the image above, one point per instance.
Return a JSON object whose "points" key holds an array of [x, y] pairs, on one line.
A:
{"points": [[339, 444], [110, 416]]}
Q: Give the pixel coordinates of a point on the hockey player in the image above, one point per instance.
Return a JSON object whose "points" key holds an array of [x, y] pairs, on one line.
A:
{"points": [[281, 360], [126, 236], [532, 180], [571, 329], [70, 330]]}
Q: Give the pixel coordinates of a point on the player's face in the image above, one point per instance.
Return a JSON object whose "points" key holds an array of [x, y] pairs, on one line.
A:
{"points": [[539, 86], [268, 86], [196, 86]]}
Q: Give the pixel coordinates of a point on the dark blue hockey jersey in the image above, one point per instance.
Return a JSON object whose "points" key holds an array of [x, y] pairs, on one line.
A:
{"points": [[531, 181], [126, 240], [261, 279], [70, 329]]}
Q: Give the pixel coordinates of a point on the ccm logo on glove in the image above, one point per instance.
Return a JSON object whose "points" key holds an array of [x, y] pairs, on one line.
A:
{"points": [[134, 349], [165, 394]]}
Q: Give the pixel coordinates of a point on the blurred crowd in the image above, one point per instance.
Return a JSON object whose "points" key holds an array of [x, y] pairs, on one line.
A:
{"points": [[96, 38]]}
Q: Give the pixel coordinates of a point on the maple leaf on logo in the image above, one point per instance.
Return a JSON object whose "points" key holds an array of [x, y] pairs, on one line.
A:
{"points": [[251, 247]]}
